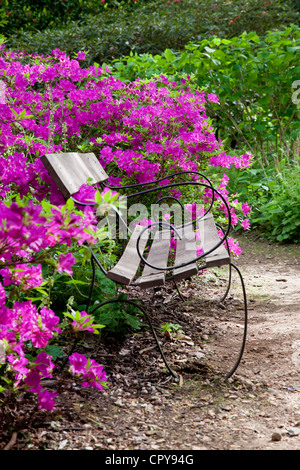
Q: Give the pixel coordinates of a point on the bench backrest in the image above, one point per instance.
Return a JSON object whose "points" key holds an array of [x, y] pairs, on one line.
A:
{"points": [[71, 170]]}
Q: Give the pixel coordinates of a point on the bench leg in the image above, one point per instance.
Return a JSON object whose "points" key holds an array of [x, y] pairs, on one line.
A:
{"points": [[92, 283], [245, 323], [228, 284], [231, 265], [132, 302], [178, 291]]}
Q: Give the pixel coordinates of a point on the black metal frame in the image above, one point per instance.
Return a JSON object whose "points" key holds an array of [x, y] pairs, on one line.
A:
{"points": [[215, 193]]}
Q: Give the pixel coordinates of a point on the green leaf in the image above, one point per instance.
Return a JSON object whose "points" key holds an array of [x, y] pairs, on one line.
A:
{"points": [[75, 282], [54, 351], [209, 49], [169, 55], [41, 291], [70, 204]]}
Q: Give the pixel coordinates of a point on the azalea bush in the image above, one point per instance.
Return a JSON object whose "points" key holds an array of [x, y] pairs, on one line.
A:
{"points": [[140, 131], [33, 236]]}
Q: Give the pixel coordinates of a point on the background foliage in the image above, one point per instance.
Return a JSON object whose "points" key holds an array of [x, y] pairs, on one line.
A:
{"points": [[107, 33], [252, 77]]}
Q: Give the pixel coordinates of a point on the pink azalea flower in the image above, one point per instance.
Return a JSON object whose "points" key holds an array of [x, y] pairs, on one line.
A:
{"points": [[81, 55], [245, 224], [246, 209], [44, 365], [65, 263], [46, 400], [33, 381], [78, 363], [95, 375], [213, 98]]}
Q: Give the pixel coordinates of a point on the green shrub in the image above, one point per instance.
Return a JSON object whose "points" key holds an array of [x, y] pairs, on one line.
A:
{"points": [[273, 194], [280, 216], [150, 27], [32, 15], [252, 77]]}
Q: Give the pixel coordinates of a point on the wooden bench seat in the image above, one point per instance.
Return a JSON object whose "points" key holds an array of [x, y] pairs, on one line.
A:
{"points": [[125, 270], [185, 251], [158, 256], [209, 239]]}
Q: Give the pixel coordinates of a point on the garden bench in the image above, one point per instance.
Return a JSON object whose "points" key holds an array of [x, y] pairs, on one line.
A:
{"points": [[71, 170]]}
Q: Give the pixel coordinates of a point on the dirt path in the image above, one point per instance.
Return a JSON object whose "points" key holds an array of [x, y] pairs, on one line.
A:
{"points": [[257, 409], [272, 355]]}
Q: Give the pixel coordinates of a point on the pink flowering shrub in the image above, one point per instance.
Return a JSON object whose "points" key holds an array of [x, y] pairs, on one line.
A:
{"points": [[30, 237]]}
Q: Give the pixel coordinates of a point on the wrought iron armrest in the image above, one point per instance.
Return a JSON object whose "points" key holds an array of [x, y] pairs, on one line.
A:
{"points": [[80, 203], [135, 185]]}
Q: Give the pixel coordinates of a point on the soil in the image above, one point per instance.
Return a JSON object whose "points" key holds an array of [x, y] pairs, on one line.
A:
{"points": [[144, 408]]}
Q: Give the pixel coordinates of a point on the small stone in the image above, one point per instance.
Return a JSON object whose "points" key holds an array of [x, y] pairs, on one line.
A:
{"points": [[119, 403], [293, 431], [276, 436], [124, 352], [197, 354], [226, 407]]}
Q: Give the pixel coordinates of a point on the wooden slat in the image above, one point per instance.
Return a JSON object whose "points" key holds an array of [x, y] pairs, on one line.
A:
{"points": [[71, 170], [127, 266], [209, 238], [185, 252], [158, 256]]}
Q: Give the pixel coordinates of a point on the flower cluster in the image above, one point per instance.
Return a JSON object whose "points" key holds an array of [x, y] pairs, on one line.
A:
{"points": [[26, 230], [227, 161], [89, 370], [20, 327]]}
